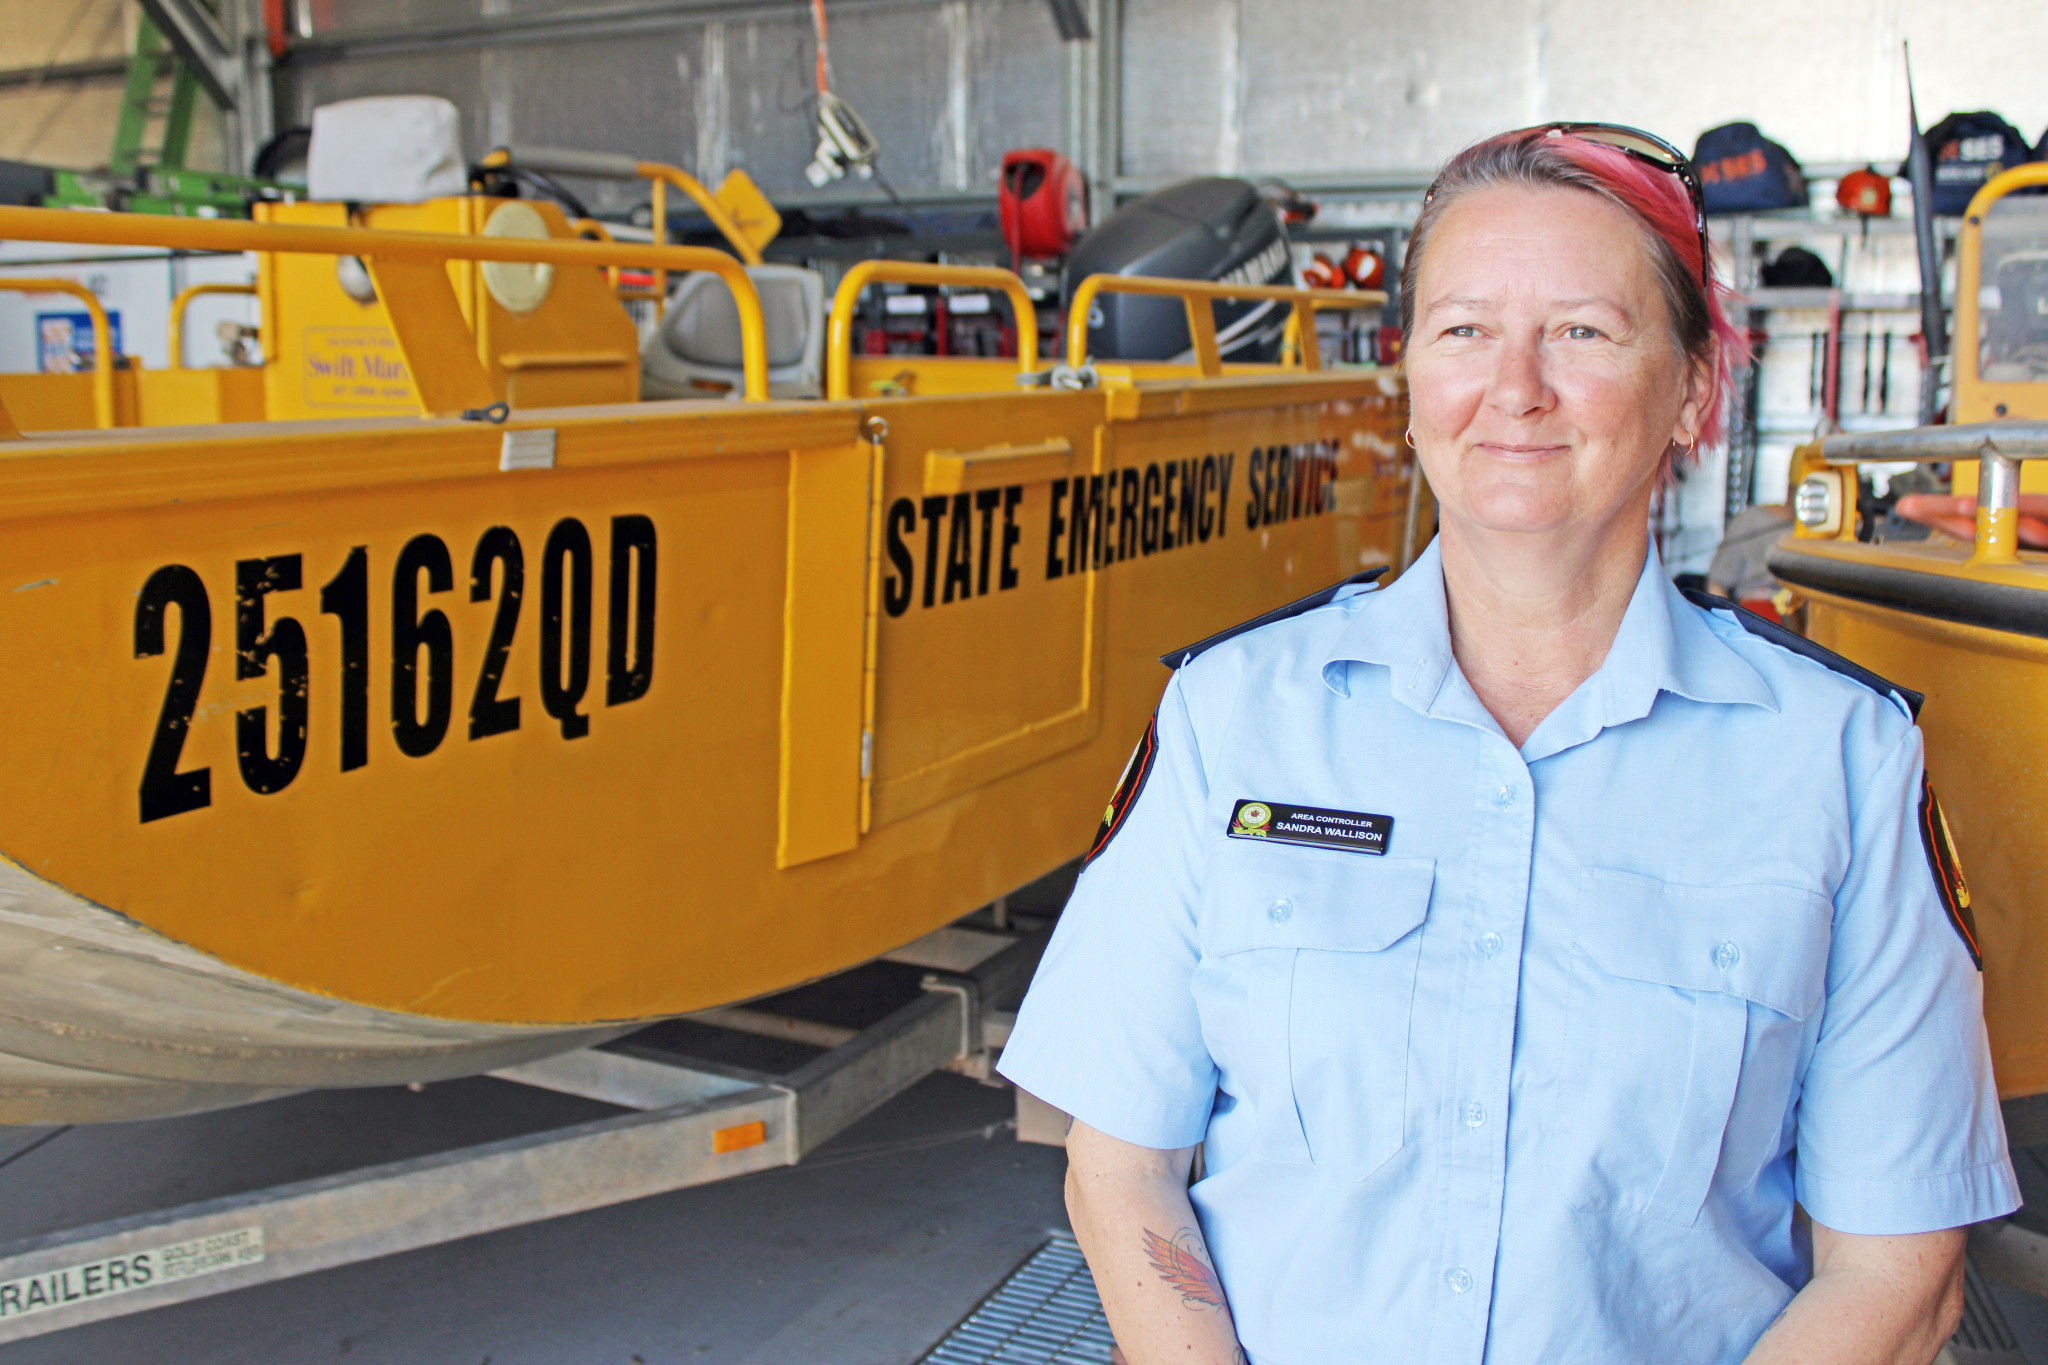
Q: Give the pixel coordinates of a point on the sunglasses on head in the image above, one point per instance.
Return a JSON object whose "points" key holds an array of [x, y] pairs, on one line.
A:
{"points": [[1649, 149]]}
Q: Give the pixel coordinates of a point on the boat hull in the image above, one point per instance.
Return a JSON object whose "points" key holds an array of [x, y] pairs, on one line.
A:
{"points": [[1917, 617], [355, 752]]}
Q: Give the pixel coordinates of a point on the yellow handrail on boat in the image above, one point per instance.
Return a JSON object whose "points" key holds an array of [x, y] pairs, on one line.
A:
{"points": [[1348, 300], [408, 269], [178, 304], [658, 174], [1200, 297], [1970, 264], [839, 339], [102, 341]]}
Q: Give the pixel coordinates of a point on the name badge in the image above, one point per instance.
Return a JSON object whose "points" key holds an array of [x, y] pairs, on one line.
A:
{"points": [[1354, 830]]}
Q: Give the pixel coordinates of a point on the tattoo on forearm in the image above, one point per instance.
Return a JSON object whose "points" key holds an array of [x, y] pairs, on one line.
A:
{"points": [[1184, 1268]]}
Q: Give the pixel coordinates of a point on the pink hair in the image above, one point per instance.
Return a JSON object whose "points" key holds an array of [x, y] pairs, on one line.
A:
{"points": [[1658, 201]]}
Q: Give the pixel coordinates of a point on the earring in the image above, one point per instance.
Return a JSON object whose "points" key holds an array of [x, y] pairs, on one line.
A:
{"points": [[1409, 437]]}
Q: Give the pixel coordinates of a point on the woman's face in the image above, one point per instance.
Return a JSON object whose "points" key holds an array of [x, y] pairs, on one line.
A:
{"points": [[1543, 380]]}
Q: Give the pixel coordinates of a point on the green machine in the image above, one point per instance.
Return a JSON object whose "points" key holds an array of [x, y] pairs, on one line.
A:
{"points": [[162, 91]]}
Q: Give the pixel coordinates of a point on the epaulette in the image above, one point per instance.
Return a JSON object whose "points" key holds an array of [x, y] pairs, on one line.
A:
{"points": [[1805, 648], [1174, 658]]}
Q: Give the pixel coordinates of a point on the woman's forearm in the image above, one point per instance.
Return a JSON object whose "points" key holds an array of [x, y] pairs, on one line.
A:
{"points": [[1130, 1211], [1871, 1301]]}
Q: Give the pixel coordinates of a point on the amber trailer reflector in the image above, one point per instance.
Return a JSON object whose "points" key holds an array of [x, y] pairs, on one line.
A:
{"points": [[740, 1137]]}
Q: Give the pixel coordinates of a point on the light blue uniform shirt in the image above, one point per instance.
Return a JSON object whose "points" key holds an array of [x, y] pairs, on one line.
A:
{"points": [[1543, 1081]]}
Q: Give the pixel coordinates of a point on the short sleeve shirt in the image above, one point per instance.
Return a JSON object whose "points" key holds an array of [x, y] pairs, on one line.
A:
{"points": [[1542, 1077]]}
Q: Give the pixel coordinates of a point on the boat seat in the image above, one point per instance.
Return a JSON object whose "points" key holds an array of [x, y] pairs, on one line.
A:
{"points": [[695, 352]]}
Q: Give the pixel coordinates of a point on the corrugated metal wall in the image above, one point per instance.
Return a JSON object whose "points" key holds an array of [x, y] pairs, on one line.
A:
{"points": [[948, 87], [1338, 86], [1252, 86], [1247, 86]]}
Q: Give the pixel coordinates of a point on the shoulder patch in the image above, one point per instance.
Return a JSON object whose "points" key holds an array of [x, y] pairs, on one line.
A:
{"points": [[1947, 869], [1127, 788], [1805, 648], [1174, 658]]}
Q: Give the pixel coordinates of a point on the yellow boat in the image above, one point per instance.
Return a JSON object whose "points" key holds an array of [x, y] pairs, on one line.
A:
{"points": [[1966, 624], [367, 729]]}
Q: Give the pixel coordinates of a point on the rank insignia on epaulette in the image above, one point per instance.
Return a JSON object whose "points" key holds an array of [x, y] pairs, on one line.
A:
{"points": [[1940, 846], [1127, 788]]}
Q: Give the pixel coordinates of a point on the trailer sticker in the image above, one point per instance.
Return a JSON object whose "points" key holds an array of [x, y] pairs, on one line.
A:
{"points": [[60, 1288], [421, 656], [353, 366]]}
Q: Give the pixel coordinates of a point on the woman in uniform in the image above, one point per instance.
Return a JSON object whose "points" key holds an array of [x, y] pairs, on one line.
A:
{"points": [[1522, 940]]}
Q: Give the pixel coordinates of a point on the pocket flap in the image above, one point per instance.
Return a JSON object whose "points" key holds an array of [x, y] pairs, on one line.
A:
{"points": [[1763, 942], [1267, 895]]}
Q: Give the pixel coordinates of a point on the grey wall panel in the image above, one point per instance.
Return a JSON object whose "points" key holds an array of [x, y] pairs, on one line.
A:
{"points": [[1332, 85], [454, 75], [1272, 86], [628, 95], [1180, 85], [892, 65], [768, 102], [947, 87], [1231, 86], [346, 16], [1018, 83]]}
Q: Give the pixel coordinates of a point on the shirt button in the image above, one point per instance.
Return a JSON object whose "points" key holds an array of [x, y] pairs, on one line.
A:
{"points": [[1458, 1280], [1490, 945], [1280, 910], [1726, 956], [1475, 1114], [1505, 797]]}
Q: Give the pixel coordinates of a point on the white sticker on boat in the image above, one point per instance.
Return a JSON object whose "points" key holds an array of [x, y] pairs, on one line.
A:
{"points": [[62, 1287]]}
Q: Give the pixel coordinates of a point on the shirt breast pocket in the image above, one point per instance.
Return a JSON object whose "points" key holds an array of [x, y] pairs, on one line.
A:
{"points": [[1315, 951], [1679, 996]]}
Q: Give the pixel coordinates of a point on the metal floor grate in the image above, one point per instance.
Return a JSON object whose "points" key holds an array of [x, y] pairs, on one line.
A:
{"points": [[1984, 1337], [1046, 1313]]}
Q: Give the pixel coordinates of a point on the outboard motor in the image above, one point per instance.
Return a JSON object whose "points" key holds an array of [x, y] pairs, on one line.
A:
{"points": [[1208, 229]]}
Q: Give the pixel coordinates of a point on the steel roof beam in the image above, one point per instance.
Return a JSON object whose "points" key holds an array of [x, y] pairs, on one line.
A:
{"points": [[202, 44], [598, 22]]}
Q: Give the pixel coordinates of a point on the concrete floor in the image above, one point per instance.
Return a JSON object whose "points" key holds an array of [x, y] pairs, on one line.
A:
{"points": [[866, 1254]]}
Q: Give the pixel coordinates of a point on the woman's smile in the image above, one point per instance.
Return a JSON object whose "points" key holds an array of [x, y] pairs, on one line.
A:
{"points": [[1522, 454]]}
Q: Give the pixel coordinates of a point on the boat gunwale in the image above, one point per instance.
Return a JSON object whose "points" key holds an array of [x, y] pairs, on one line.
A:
{"points": [[125, 469], [1937, 590]]}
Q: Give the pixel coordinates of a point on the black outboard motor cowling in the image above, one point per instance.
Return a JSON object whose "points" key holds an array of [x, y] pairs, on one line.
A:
{"points": [[1209, 229]]}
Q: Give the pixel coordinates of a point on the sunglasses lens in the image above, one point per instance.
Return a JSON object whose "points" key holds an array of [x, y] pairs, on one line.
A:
{"points": [[1629, 140]]}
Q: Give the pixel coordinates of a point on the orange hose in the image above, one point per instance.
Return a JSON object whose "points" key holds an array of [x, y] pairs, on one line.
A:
{"points": [[824, 61]]}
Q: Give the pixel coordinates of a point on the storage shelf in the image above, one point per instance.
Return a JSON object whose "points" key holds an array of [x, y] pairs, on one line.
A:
{"points": [[1760, 300]]}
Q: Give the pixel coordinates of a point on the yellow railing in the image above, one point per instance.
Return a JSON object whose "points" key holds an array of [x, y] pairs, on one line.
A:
{"points": [[1345, 300], [1200, 298], [409, 270], [102, 334], [181, 300], [839, 340], [660, 176], [1969, 276]]}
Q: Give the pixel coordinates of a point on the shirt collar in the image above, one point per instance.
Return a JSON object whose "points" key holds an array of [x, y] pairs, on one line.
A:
{"points": [[1405, 627], [1663, 645]]}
